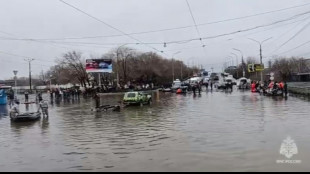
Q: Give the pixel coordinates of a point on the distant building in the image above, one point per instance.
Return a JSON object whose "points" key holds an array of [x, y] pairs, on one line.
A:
{"points": [[301, 77]]}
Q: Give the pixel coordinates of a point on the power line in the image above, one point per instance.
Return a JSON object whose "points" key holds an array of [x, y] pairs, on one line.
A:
{"points": [[12, 61], [27, 57], [271, 28], [180, 41], [301, 45], [97, 19], [193, 18], [291, 38], [177, 42], [178, 28], [290, 29], [197, 30]]}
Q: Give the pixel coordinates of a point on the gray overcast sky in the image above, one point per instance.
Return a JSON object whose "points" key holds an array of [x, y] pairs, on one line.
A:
{"points": [[52, 19]]}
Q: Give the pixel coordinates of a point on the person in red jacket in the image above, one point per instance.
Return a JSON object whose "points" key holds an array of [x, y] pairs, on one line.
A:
{"points": [[253, 86]]}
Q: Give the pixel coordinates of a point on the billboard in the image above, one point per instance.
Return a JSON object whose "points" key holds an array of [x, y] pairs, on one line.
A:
{"points": [[99, 65]]}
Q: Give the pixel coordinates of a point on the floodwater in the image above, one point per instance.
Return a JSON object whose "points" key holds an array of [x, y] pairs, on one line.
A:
{"points": [[216, 131]]}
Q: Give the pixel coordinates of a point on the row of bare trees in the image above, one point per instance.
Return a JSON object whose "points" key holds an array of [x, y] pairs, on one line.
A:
{"points": [[131, 66], [283, 68]]}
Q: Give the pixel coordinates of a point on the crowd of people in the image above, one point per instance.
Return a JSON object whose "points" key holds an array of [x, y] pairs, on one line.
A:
{"points": [[271, 87], [67, 93]]}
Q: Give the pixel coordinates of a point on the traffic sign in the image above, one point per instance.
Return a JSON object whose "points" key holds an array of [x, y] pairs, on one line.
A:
{"points": [[259, 67], [251, 68], [255, 67]]}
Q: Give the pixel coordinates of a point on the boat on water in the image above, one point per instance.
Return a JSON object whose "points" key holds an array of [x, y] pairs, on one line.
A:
{"points": [[28, 115], [274, 93], [167, 90]]}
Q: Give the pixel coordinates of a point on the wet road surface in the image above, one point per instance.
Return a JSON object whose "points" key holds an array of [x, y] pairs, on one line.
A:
{"points": [[216, 131]]}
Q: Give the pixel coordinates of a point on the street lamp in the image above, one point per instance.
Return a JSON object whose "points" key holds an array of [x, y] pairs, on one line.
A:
{"points": [[236, 58], [15, 78], [51, 83], [236, 63], [243, 69], [231, 60], [261, 56], [173, 64]]}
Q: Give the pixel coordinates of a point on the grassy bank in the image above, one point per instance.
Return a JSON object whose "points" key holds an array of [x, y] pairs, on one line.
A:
{"points": [[300, 88]]}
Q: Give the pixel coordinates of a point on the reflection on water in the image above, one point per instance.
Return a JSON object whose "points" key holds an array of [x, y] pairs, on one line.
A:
{"points": [[3, 110], [214, 131]]}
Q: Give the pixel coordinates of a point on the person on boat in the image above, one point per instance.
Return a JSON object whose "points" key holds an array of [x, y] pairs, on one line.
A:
{"points": [[179, 91], [253, 87], [26, 96], [271, 84], [14, 110], [11, 98], [281, 86], [257, 86]]}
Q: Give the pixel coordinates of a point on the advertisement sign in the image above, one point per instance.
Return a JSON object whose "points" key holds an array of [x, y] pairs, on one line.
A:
{"points": [[99, 65]]}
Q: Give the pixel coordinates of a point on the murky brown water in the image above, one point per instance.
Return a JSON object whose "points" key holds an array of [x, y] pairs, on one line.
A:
{"points": [[215, 132]]}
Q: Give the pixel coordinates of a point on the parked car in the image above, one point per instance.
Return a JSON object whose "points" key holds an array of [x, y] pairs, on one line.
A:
{"points": [[243, 83], [137, 98], [177, 84]]}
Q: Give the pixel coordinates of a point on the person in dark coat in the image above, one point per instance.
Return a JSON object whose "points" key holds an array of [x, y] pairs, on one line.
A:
{"points": [[285, 89], [26, 96], [97, 100]]}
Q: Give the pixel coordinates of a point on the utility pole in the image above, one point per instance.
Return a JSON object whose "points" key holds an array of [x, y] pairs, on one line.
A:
{"points": [[173, 64], [261, 55], [181, 71], [236, 63], [29, 61], [15, 78]]}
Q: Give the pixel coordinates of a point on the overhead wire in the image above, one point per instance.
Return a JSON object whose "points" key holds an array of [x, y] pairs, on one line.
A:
{"points": [[105, 23], [291, 38], [183, 27], [196, 27]]}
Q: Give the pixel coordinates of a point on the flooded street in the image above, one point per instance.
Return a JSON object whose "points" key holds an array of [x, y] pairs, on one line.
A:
{"points": [[216, 131]]}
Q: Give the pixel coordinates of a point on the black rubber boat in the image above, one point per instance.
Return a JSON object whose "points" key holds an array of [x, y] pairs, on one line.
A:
{"points": [[30, 116]]}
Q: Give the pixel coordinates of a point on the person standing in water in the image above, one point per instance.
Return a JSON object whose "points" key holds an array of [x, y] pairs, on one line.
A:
{"points": [[26, 96], [97, 100], [285, 89]]}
